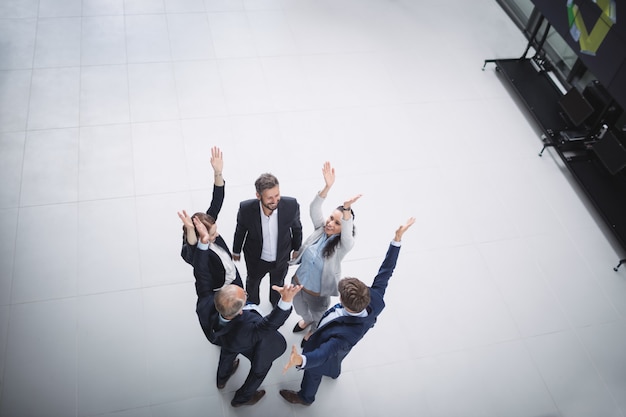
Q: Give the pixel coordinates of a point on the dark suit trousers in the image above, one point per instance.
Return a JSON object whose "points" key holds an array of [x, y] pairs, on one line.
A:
{"points": [[261, 357], [308, 387], [256, 274]]}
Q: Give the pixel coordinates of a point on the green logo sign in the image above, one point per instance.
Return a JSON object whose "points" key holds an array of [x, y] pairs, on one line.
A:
{"points": [[590, 40]]}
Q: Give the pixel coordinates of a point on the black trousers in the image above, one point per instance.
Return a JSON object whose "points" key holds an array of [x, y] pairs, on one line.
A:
{"points": [[261, 357], [255, 275]]}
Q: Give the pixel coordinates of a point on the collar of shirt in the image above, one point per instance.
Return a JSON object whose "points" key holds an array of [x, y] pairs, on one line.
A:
{"points": [[341, 312]]}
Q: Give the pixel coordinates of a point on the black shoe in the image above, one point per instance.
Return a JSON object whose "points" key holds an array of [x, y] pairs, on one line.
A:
{"points": [[292, 397], [298, 329], [255, 399], [222, 383], [303, 342]]}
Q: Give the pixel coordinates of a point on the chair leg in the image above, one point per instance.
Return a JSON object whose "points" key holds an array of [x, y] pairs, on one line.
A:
{"points": [[544, 148], [546, 143]]}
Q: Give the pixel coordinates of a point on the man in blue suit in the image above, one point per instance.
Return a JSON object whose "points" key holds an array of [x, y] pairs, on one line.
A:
{"points": [[237, 326], [342, 327]]}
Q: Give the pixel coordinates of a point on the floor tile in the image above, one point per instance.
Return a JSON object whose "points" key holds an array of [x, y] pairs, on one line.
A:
{"points": [[146, 103], [54, 274], [104, 97], [58, 42], [46, 374], [44, 182], [103, 40], [54, 98], [19, 53], [100, 389]]}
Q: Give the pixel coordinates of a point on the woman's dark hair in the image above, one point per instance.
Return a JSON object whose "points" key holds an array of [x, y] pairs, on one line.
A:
{"points": [[332, 244], [204, 218]]}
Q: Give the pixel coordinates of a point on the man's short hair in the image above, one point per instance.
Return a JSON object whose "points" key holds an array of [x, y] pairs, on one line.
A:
{"points": [[229, 302], [355, 295], [265, 182]]}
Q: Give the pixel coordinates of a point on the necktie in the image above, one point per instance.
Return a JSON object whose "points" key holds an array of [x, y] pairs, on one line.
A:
{"points": [[330, 310]]}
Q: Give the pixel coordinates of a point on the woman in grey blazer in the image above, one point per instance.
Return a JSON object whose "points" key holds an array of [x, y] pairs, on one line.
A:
{"points": [[320, 256]]}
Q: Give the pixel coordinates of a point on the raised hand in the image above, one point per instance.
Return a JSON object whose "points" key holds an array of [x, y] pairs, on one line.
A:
{"points": [[295, 359], [187, 222], [348, 203], [329, 174], [287, 292], [400, 231], [216, 160], [218, 165]]}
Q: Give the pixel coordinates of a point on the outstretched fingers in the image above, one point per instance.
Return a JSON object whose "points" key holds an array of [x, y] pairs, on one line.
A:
{"points": [[295, 359], [403, 228]]}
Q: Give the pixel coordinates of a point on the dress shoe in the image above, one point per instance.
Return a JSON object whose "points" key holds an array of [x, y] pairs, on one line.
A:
{"points": [[292, 397], [222, 383], [255, 399], [298, 329]]}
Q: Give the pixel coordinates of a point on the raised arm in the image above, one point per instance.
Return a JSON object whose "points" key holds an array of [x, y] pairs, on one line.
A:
{"points": [[385, 272], [217, 162]]}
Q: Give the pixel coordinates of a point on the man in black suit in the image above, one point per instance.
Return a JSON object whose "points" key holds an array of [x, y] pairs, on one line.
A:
{"points": [[238, 327], [268, 230]]}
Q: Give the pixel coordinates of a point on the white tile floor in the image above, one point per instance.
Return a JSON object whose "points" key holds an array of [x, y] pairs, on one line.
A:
{"points": [[504, 302]]}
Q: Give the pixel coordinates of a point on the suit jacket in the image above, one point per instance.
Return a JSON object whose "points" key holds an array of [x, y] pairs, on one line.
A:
{"points": [[241, 333], [249, 234], [329, 344], [215, 266]]}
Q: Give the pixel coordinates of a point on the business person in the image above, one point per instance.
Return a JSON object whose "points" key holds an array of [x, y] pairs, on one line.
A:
{"points": [[238, 327], [320, 256], [220, 261], [342, 327], [268, 230]]}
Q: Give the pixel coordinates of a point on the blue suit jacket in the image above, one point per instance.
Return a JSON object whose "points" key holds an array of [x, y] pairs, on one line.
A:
{"points": [[241, 333], [329, 344]]}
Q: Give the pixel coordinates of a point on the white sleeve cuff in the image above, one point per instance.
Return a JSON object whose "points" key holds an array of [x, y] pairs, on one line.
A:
{"points": [[284, 305], [303, 362]]}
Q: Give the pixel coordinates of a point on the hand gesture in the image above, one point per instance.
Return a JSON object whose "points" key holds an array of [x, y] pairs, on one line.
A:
{"points": [[203, 233], [329, 174], [295, 359], [216, 160], [348, 203], [187, 222], [404, 228], [287, 292]]}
